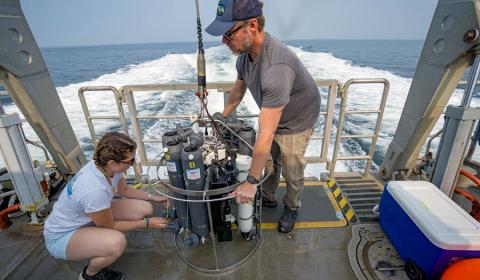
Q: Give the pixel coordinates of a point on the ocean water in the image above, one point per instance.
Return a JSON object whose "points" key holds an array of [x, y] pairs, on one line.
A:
{"points": [[119, 65]]}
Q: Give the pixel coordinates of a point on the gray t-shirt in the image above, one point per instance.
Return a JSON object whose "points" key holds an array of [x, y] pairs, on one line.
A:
{"points": [[276, 78], [87, 192]]}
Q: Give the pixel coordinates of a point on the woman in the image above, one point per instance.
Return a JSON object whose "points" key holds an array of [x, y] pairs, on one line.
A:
{"points": [[87, 224]]}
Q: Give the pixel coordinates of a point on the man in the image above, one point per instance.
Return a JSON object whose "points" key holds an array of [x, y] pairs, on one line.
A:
{"points": [[286, 94]]}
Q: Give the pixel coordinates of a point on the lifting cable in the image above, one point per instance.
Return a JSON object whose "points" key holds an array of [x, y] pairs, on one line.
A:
{"points": [[202, 81]]}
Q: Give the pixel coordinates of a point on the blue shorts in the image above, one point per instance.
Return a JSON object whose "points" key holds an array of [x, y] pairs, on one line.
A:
{"points": [[57, 247]]}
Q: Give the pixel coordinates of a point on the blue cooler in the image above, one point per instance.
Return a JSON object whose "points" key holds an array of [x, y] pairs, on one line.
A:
{"points": [[427, 227]]}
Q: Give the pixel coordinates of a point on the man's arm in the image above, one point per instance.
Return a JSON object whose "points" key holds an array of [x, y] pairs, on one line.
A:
{"points": [[268, 123], [235, 96], [277, 86]]}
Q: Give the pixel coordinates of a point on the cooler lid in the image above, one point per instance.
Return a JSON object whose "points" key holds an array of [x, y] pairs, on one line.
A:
{"points": [[442, 221]]}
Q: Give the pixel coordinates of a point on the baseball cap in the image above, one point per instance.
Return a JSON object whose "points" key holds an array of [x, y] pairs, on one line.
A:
{"points": [[231, 11]]}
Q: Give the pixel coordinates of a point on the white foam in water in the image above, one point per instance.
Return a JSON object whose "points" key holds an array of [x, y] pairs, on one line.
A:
{"points": [[179, 68]]}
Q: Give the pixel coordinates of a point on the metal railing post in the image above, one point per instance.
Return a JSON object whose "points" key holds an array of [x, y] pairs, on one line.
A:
{"points": [[118, 99], [86, 113], [378, 124], [332, 95], [341, 119], [136, 129]]}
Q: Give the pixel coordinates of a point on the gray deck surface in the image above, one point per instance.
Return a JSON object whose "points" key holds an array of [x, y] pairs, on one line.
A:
{"points": [[307, 253], [304, 254], [321, 252], [315, 205]]}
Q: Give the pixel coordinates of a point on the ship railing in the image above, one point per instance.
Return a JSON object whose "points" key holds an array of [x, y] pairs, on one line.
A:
{"points": [[341, 119], [125, 96], [89, 118]]}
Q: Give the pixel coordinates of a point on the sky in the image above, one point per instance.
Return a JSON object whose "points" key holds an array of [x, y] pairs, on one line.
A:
{"points": [[105, 22]]}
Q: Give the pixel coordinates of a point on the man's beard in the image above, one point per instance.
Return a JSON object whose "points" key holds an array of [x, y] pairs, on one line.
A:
{"points": [[247, 45]]}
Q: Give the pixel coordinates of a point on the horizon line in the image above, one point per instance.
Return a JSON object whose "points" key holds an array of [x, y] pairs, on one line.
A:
{"points": [[215, 41]]}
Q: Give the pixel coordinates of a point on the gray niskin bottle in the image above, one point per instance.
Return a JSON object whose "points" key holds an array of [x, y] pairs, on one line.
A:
{"points": [[194, 175], [173, 160], [247, 133]]}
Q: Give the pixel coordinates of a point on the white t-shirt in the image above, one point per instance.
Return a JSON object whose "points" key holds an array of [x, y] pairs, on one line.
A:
{"points": [[87, 192]]}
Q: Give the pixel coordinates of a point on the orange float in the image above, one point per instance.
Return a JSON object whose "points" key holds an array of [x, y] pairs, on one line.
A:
{"points": [[468, 269]]}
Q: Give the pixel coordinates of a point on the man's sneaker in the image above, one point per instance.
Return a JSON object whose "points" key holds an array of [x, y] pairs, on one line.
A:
{"points": [[104, 274], [269, 203], [287, 221]]}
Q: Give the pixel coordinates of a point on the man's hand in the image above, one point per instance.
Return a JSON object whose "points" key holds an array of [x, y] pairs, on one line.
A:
{"points": [[198, 94], [245, 193], [218, 116]]}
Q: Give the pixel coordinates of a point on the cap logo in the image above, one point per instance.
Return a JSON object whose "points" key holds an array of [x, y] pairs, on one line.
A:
{"points": [[220, 10]]}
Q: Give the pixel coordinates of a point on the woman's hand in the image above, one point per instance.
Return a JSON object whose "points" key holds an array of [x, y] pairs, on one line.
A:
{"points": [[157, 222], [161, 199]]}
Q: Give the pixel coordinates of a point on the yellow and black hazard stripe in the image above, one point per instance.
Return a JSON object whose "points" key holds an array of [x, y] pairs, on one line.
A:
{"points": [[342, 202]]}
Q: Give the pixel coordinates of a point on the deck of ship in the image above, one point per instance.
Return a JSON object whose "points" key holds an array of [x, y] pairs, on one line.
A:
{"points": [[321, 246]]}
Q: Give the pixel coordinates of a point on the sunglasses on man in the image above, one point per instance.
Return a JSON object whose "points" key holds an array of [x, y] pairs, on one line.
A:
{"points": [[229, 35]]}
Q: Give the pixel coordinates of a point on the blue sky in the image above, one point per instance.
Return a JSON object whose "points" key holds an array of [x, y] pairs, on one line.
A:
{"points": [[102, 22]]}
